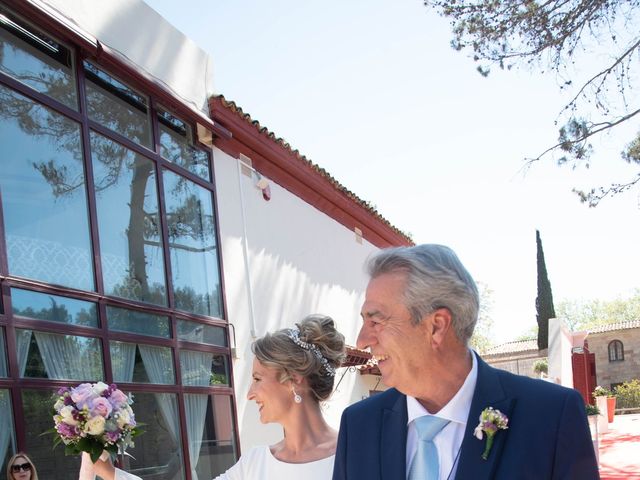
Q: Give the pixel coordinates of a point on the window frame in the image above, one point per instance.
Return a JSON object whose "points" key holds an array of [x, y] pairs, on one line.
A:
{"points": [[615, 350], [83, 50]]}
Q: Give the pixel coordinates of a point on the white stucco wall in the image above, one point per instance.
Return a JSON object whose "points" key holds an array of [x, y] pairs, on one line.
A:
{"points": [[560, 345], [300, 261]]}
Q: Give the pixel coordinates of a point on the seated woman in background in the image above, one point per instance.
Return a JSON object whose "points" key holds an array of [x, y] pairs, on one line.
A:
{"points": [[20, 467], [293, 371]]}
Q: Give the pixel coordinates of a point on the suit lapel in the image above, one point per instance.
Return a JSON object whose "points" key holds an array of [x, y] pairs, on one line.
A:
{"points": [[393, 444], [488, 393]]}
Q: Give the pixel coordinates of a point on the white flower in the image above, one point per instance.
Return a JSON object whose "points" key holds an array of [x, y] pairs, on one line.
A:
{"points": [[95, 425], [123, 417], [99, 387], [66, 415], [478, 432]]}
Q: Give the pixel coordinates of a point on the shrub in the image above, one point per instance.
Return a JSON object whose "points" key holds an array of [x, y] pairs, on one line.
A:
{"points": [[628, 394], [601, 392], [541, 366], [592, 409]]}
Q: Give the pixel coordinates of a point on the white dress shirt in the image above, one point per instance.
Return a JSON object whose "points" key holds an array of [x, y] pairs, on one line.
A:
{"points": [[449, 440]]}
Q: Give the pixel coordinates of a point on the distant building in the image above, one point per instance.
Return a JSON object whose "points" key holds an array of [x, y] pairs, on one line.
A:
{"points": [[516, 357], [616, 348], [617, 352]]}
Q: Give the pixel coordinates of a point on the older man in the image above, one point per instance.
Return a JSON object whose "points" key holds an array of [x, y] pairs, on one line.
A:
{"points": [[420, 310]]}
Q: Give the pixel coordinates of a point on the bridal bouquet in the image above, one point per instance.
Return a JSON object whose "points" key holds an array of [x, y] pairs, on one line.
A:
{"points": [[93, 417]]}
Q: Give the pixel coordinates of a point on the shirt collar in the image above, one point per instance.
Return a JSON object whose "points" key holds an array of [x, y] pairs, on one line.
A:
{"points": [[457, 409]]}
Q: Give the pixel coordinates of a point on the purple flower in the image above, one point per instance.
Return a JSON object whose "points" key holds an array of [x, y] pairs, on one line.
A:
{"points": [[118, 399], [100, 406], [82, 395]]}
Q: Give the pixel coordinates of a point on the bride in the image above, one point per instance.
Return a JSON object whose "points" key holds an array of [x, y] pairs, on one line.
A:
{"points": [[293, 371]]}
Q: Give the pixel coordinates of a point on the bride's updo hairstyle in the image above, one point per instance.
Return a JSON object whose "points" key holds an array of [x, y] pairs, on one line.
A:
{"points": [[312, 349]]}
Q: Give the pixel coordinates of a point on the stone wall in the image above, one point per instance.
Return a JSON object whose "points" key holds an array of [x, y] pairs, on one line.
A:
{"points": [[608, 373]]}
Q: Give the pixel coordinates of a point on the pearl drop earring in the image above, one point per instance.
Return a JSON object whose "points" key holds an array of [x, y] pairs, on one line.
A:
{"points": [[296, 398]]}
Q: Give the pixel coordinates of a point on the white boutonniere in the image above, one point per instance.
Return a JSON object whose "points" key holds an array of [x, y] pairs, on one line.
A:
{"points": [[490, 422]]}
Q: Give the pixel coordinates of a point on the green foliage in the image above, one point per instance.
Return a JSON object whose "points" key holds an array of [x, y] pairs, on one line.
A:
{"points": [[544, 300], [541, 366], [586, 314], [481, 339], [592, 47], [592, 409], [628, 394], [601, 392]]}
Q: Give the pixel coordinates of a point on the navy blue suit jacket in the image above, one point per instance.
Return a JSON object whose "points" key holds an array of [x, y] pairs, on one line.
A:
{"points": [[548, 435]]}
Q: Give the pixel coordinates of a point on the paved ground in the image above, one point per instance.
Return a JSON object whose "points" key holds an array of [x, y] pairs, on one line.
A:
{"points": [[620, 449]]}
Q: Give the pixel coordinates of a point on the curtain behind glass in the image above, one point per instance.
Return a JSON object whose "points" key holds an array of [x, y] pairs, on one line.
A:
{"points": [[123, 360], [3, 356], [6, 426], [67, 357], [23, 339], [196, 370], [160, 370]]}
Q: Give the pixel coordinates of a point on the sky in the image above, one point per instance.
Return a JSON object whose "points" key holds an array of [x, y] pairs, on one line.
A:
{"points": [[371, 91]]}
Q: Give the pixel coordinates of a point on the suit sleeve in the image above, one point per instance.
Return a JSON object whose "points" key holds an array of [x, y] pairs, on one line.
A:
{"points": [[340, 463], [575, 457]]}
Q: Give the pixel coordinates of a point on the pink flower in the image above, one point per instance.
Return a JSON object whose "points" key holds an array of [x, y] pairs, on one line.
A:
{"points": [[82, 395], [100, 406], [118, 399]]}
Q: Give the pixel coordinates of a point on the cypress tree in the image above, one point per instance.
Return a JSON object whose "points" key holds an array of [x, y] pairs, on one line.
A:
{"points": [[544, 300]]}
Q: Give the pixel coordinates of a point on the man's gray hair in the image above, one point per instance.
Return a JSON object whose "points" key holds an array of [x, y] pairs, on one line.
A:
{"points": [[435, 279]]}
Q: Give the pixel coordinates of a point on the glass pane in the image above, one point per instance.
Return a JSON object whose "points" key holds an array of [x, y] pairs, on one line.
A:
{"points": [[54, 308], [116, 106], [4, 367], [36, 59], [157, 453], [141, 363], [176, 145], [201, 333], [192, 243], [51, 463], [203, 369], [131, 321], [59, 357], [7, 432], [128, 222], [211, 434], [43, 194]]}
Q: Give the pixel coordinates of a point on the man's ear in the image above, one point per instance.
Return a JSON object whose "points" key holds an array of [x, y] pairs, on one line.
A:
{"points": [[441, 324]]}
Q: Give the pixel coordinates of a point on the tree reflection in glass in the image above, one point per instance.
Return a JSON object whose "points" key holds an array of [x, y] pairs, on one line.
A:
{"points": [[117, 106], [43, 194], [36, 59], [192, 243], [128, 222], [176, 145]]}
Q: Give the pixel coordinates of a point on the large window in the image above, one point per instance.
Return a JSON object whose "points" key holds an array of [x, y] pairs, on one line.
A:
{"points": [[109, 259], [616, 351]]}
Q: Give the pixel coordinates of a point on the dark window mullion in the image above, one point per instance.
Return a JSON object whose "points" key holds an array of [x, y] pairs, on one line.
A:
{"points": [[164, 230], [93, 220]]}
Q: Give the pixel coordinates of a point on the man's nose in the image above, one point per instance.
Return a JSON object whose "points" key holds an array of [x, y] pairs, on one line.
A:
{"points": [[365, 337]]}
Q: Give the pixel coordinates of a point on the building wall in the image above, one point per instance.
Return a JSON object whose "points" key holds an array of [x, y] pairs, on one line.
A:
{"points": [[608, 373], [296, 261], [520, 363]]}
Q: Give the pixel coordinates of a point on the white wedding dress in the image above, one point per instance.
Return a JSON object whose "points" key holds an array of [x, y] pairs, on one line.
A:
{"points": [[260, 464], [87, 470], [256, 464]]}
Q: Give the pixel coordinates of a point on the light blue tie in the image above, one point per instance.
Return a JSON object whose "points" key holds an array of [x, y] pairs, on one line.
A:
{"points": [[425, 465]]}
